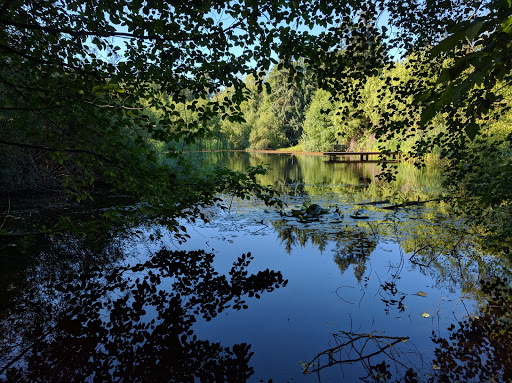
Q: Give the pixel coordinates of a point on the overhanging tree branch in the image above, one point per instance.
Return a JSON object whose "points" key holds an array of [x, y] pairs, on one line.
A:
{"points": [[51, 149], [118, 34], [45, 62], [5, 5]]}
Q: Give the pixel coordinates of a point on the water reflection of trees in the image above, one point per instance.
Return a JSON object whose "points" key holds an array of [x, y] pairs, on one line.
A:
{"points": [[449, 253], [473, 350], [35, 260], [314, 175], [353, 247], [476, 349], [438, 247], [292, 236], [132, 323]]}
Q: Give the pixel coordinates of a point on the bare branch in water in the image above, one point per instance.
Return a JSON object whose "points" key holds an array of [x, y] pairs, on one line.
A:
{"points": [[364, 345]]}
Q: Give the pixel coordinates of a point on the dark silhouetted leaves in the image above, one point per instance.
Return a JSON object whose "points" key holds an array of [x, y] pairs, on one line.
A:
{"points": [[134, 323]]}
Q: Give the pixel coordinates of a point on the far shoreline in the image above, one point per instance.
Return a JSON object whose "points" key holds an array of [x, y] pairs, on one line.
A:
{"points": [[430, 158], [284, 151], [265, 151]]}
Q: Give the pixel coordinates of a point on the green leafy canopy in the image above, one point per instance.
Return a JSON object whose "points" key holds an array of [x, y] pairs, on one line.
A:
{"points": [[89, 90]]}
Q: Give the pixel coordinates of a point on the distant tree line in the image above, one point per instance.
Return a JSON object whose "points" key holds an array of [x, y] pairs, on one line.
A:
{"points": [[297, 113]]}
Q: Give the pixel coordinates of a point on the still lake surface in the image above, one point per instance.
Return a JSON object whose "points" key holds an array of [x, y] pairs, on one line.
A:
{"points": [[257, 294]]}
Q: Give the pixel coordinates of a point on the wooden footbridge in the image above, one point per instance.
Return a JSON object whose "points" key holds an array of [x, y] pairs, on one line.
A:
{"points": [[363, 156]]}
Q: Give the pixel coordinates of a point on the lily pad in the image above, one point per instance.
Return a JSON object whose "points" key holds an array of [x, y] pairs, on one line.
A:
{"points": [[314, 209], [359, 216], [425, 315], [421, 294], [308, 219]]}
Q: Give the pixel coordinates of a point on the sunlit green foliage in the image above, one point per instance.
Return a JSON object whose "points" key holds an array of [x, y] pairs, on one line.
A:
{"points": [[482, 188], [319, 132]]}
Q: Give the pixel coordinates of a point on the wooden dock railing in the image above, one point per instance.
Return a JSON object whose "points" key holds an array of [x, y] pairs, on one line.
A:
{"points": [[363, 156]]}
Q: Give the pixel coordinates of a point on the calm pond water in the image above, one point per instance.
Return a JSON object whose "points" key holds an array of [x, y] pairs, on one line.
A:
{"points": [[260, 294]]}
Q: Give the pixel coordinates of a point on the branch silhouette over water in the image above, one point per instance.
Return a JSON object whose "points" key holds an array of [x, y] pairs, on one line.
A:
{"points": [[135, 323]]}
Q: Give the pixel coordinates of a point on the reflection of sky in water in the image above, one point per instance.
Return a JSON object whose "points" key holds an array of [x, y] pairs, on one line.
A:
{"points": [[344, 274], [296, 322]]}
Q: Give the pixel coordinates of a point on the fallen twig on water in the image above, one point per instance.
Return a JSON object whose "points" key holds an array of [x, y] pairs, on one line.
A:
{"points": [[373, 203], [382, 344], [410, 203]]}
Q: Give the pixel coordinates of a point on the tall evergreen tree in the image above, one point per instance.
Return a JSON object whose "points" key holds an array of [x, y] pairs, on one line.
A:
{"points": [[291, 94]]}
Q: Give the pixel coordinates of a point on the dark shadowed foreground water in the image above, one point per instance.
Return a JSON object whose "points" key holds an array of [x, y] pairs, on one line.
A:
{"points": [[258, 294]]}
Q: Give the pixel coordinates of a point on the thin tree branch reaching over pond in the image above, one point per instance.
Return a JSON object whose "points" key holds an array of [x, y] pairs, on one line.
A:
{"points": [[51, 149]]}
